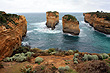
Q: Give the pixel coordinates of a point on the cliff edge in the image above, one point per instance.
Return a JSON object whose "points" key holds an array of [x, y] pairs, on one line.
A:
{"points": [[12, 28], [52, 19], [70, 25], [99, 20]]}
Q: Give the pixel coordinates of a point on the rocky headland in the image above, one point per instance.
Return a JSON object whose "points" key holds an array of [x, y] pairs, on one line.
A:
{"points": [[12, 28], [52, 19], [70, 25], [99, 20]]}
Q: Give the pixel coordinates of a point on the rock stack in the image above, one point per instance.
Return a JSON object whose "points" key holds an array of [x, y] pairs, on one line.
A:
{"points": [[52, 19], [70, 25]]}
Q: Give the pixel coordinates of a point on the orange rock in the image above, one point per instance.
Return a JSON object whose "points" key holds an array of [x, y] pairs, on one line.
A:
{"points": [[99, 24], [11, 38], [52, 19], [70, 25]]}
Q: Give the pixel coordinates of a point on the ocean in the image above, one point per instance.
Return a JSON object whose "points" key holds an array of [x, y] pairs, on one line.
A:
{"points": [[39, 36]]}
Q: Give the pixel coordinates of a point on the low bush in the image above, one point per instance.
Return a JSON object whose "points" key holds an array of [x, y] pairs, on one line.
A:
{"points": [[27, 69], [38, 60], [75, 62]]}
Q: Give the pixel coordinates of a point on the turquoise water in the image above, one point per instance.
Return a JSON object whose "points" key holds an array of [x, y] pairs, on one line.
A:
{"points": [[89, 40]]}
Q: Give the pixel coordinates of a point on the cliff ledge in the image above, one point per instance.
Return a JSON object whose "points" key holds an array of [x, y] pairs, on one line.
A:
{"points": [[99, 20], [12, 28]]}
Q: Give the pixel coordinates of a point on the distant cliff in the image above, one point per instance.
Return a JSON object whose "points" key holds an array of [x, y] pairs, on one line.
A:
{"points": [[52, 19], [70, 25], [99, 20], [12, 28]]}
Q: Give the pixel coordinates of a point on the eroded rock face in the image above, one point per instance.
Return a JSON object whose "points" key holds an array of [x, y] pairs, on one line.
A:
{"points": [[52, 19], [12, 29], [70, 25], [99, 21]]}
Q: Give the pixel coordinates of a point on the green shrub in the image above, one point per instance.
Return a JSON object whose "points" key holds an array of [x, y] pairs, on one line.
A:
{"points": [[76, 55], [75, 59], [7, 59], [71, 51], [67, 67], [20, 59], [27, 69], [61, 68], [39, 60], [90, 57], [52, 53], [75, 62], [95, 57], [51, 50], [76, 51], [69, 17], [105, 56], [21, 50], [85, 58], [29, 54]]}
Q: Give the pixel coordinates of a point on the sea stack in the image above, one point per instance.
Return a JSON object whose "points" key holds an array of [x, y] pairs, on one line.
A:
{"points": [[12, 28], [70, 25], [52, 19], [99, 20]]}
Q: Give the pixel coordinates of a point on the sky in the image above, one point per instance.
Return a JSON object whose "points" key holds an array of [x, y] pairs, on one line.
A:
{"points": [[26, 6]]}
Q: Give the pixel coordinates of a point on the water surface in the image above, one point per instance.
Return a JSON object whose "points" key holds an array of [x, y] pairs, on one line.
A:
{"points": [[89, 40]]}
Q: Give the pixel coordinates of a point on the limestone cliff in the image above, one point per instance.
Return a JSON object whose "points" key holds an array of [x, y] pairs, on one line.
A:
{"points": [[12, 28], [100, 21], [52, 19], [70, 25]]}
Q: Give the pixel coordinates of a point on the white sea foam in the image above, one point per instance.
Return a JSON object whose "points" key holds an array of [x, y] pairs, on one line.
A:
{"points": [[107, 35], [47, 30], [25, 43], [29, 31], [83, 22], [82, 34], [42, 28]]}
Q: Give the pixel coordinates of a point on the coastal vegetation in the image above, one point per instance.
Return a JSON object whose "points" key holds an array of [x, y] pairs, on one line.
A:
{"points": [[39, 61], [54, 13], [101, 15], [69, 18], [6, 18]]}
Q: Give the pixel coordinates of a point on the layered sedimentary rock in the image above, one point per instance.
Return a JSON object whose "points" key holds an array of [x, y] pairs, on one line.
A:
{"points": [[52, 19], [12, 28], [99, 20], [70, 25]]}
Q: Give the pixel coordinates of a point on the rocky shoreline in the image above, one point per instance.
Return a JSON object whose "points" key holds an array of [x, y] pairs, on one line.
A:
{"points": [[15, 58], [99, 20]]}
